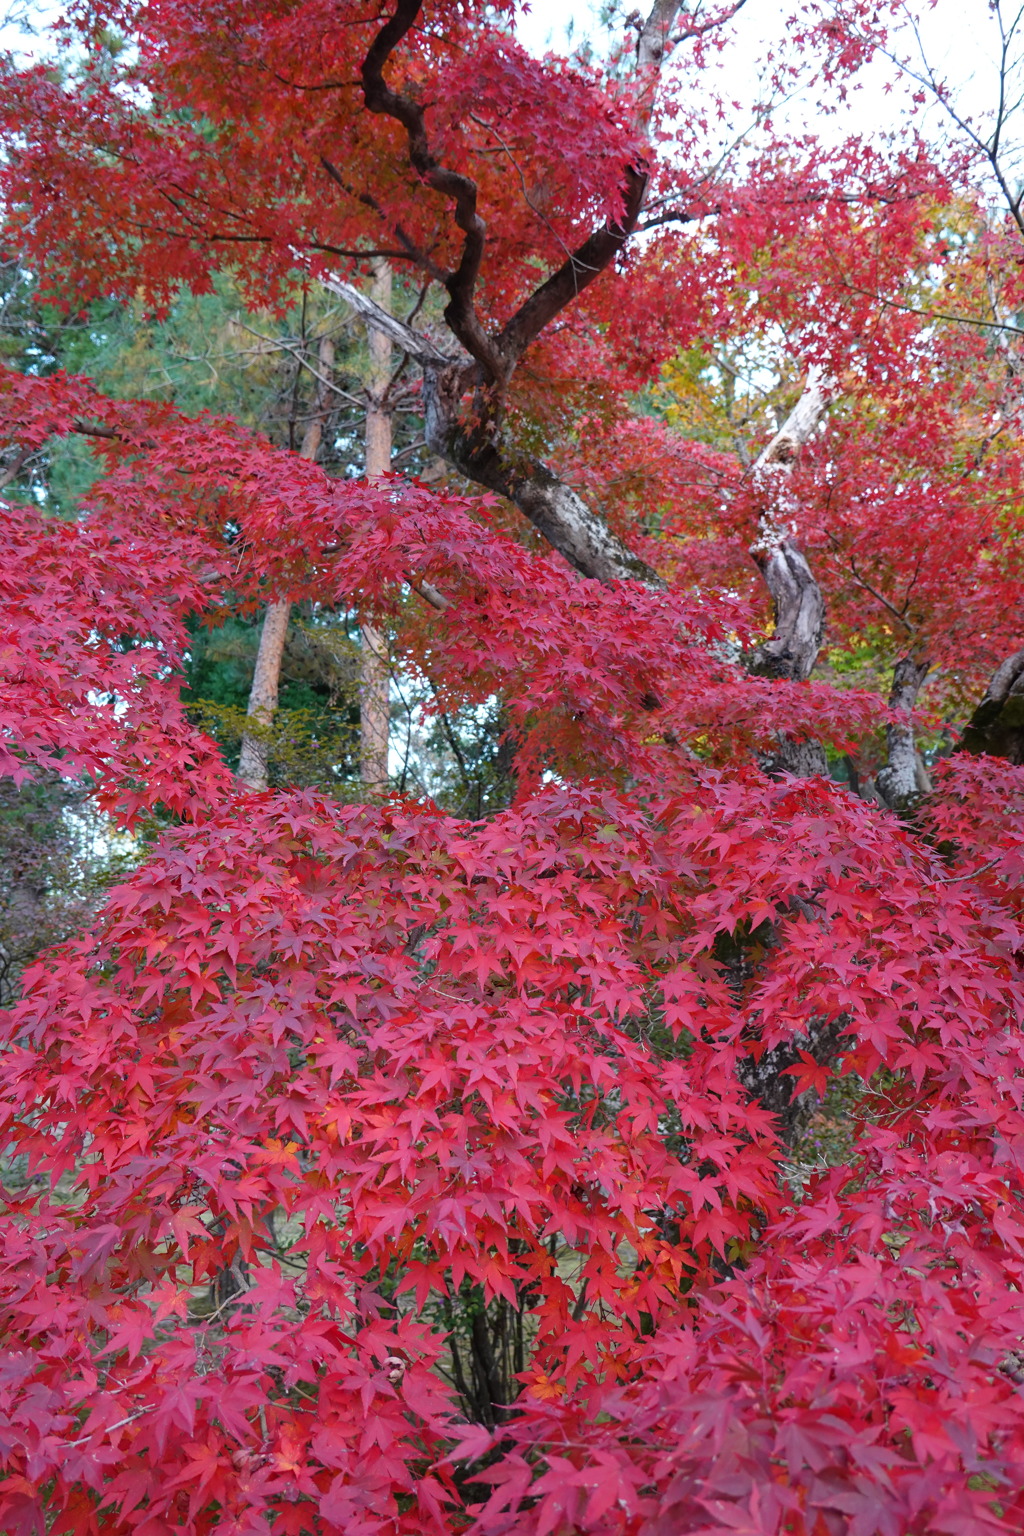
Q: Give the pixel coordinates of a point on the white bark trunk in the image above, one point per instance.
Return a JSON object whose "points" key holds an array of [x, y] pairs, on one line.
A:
{"points": [[793, 647], [819, 392], [799, 608], [375, 671], [903, 776], [266, 682]]}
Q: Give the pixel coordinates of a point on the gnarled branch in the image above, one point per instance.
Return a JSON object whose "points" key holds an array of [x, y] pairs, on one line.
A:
{"points": [[460, 312]]}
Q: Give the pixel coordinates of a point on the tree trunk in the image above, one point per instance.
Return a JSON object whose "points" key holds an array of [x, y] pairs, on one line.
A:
{"points": [[558, 512], [799, 607], [997, 726], [252, 761], [375, 672], [903, 777], [793, 647]]}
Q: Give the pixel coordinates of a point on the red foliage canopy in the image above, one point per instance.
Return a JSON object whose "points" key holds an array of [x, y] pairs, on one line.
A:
{"points": [[340, 1066]]}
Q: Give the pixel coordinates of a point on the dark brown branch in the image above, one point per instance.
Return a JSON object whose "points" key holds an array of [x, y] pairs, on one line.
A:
{"points": [[474, 446], [90, 429], [15, 468], [460, 313], [900, 617], [575, 274]]}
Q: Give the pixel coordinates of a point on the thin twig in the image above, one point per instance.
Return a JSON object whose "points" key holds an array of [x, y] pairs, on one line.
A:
{"points": [[107, 1428], [971, 874]]}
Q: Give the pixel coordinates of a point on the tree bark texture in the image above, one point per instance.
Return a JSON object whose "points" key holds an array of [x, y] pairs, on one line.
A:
{"points": [[266, 682], [799, 608], [375, 670], [997, 726], [904, 776], [793, 648]]}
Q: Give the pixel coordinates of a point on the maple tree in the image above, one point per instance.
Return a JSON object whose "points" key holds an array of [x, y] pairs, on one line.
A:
{"points": [[371, 1169]]}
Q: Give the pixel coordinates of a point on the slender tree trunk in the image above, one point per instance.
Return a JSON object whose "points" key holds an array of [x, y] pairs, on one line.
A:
{"points": [[375, 672], [904, 775], [252, 761]]}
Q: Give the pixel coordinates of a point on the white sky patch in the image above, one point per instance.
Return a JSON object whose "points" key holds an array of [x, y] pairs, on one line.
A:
{"points": [[959, 38], [23, 26]]}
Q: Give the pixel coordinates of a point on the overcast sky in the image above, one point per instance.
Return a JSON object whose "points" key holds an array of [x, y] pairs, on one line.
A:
{"points": [[959, 37]]}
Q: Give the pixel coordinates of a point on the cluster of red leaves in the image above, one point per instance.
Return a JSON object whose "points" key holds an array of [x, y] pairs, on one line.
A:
{"points": [[620, 678], [361, 1057], [845, 1379], [88, 642], [238, 137], [905, 505], [233, 136], [317, 1069], [372, 1054]]}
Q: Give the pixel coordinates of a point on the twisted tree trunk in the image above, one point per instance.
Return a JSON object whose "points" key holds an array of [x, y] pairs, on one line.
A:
{"points": [[792, 649]]}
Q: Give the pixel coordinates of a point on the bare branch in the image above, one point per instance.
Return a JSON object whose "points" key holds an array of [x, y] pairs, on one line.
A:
{"points": [[282, 344], [1003, 326], [397, 331]]}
